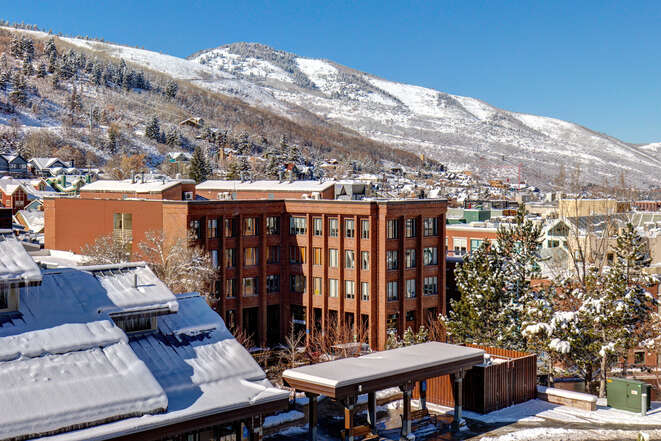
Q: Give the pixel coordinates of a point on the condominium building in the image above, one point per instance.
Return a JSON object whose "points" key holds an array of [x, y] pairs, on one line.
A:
{"points": [[375, 264]]}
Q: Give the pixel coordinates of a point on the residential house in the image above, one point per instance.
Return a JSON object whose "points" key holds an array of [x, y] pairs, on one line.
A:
{"points": [[18, 166], [13, 194], [43, 166]]}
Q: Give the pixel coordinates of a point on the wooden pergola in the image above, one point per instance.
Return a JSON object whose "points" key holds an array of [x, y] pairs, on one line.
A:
{"points": [[344, 380]]}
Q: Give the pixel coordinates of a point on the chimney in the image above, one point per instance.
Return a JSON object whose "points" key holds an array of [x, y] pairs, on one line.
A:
{"points": [[135, 280], [132, 178], [279, 176], [291, 176]]}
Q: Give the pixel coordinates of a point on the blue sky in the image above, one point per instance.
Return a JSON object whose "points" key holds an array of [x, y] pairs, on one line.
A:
{"points": [[596, 63]]}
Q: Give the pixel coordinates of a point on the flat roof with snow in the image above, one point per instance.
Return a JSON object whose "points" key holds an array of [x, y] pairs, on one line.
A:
{"points": [[379, 370], [128, 185], [270, 186]]}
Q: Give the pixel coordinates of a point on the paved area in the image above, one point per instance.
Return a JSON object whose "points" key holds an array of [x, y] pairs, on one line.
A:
{"points": [[533, 420]]}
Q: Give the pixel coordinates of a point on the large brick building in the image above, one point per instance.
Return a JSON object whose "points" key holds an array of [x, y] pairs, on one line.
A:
{"points": [[377, 264]]}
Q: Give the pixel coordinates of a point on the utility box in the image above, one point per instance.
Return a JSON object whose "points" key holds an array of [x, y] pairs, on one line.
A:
{"points": [[625, 394]]}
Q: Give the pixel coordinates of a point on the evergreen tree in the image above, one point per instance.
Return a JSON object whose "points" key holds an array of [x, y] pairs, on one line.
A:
{"points": [[173, 138], [5, 80], [171, 89], [153, 129], [18, 95], [41, 70], [75, 103], [4, 65], [244, 147], [52, 63], [480, 315], [15, 47], [97, 74], [274, 162], [50, 49], [622, 305], [200, 169], [28, 70], [27, 48]]}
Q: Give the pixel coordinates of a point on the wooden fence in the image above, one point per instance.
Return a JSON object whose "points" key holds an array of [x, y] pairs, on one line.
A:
{"points": [[489, 388]]}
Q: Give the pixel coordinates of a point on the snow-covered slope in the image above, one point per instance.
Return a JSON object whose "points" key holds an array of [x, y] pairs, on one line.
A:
{"points": [[460, 131]]}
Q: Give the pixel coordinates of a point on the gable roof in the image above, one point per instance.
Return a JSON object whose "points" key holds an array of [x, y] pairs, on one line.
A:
{"points": [[43, 163], [15, 263]]}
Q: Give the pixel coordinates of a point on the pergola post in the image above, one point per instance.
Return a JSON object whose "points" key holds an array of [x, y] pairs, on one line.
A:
{"points": [[371, 410], [349, 408], [423, 395], [458, 420], [406, 411], [313, 415]]}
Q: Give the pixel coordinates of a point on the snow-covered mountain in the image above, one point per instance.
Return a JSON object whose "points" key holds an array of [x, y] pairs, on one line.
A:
{"points": [[459, 131]]}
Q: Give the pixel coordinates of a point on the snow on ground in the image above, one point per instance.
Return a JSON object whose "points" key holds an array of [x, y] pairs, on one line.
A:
{"points": [[535, 411], [282, 418]]}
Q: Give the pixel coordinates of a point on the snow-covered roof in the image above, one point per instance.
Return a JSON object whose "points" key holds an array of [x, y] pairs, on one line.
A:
{"points": [[127, 287], [349, 371], [15, 263], [127, 185], [65, 365], [34, 219], [42, 163], [269, 186], [9, 185], [201, 367]]}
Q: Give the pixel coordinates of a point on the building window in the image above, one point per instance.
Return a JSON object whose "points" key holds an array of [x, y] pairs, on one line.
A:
{"points": [[410, 288], [391, 322], [317, 226], [410, 227], [296, 254], [230, 288], [392, 229], [365, 229], [122, 232], [430, 287], [392, 259], [392, 291], [431, 226], [332, 258], [316, 256], [250, 226], [214, 258], [230, 257], [212, 228], [349, 228], [4, 296], [333, 227], [639, 357], [250, 287], [273, 225], [350, 289], [364, 291], [410, 316], [409, 261], [272, 283], [135, 324], [297, 283], [364, 260], [297, 226], [475, 244], [430, 256], [349, 259], [273, 254], [250, 256], [195, 229], [230, 227], [317, 286], [332, 288], [459, 244]]}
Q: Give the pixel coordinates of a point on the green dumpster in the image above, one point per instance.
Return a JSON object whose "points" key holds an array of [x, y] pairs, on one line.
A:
{"points": [[626, 394]]}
